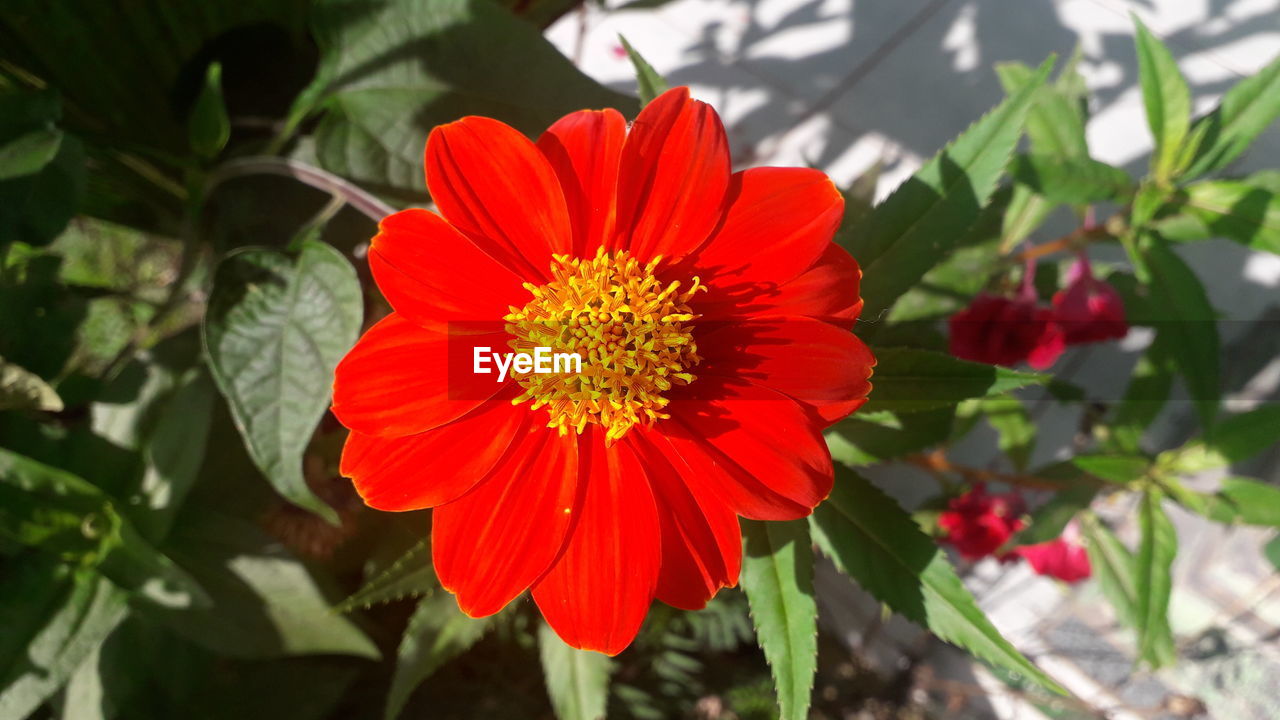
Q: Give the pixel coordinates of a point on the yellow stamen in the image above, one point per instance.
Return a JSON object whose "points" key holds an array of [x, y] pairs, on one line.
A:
{"points": [[632, 334]]}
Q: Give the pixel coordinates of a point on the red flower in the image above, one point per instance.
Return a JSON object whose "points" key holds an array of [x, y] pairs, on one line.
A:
{"points": [[1064, 558], [713, 314], [978, 523], [1007, 331], [1089, 310]]}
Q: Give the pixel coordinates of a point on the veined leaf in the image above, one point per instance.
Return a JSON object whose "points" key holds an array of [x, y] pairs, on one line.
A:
{"points": [[577, 680], [1167, 99], [1074, 181], [922, 221], [873, 540], [777, 576], [649, 84], [437, 632], [1245, 111], [911, 380], [1189, 324], [1114, 567], [1154, 565], [275, 330], [393, 69], [410, 575]]}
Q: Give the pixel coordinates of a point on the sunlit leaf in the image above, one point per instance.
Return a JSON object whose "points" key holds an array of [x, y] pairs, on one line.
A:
{"points": [[24, 390], [577, 680], [1245, 111], [1166, 98], [1114, 567], [1154, 563], [437, 632], [649, 84]]}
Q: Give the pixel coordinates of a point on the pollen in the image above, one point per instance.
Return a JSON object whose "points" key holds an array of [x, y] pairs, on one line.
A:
{"points": [[633, 333]]}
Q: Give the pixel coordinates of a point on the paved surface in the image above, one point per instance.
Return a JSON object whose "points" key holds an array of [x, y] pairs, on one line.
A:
{"points": [[840, 84]]}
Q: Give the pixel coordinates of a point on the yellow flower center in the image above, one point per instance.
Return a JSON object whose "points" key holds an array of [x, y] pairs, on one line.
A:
{"points": [[632, 334]]}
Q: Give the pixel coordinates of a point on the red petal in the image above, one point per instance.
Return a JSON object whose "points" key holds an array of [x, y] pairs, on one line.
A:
{"points": [[490, 182], [701, 540], [827, 291], [778, 223], [758, 450], [675, 170], [596, 595], [585, 149], [403, 379], [434, 467], [430, 272], [818, 364], [495, 541]]}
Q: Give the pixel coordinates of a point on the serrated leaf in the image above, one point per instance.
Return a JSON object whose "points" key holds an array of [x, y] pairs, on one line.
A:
{"points": [[1055, 123], [410, 575], [1186, 323], [1244, 112], [577, 680], [649, 84], [777, 577], [208, 128], [393, 69], [1167, 100], [873, 540], [437, 632], [1154, 564], [275, 330], [1240, 210], [911, 380], [1114, 567], [1074, 181], [1120, 469], [88, 611], [21, 389], [922, 221]]}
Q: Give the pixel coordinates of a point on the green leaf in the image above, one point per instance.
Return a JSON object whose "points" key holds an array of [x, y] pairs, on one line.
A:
{"points": [[1121, 469], [437, 632], [777, 576], [1014, 428], [1154, 564], [876, 542], [91, 609], [21, 389], [1167, 100], [410, 575], [266, 604], [208, 128], [1236, 209], [28, 153], [393, 69], [174, 449], [1272, 551], [1114, 567], [1055, 123], [1235, 439], [1147, 392], [865, 439], [1187, 324], [1049, 520], [910, 380], [1245, 111], [1075, 181], [922, 221], [1238, 500], [649, 84], [577, 680], [275, 330], [36, 208]]}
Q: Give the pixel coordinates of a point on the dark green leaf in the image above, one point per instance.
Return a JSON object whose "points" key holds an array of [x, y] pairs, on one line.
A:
{"points": [[1167, 100], [1186, 323], [1114, 468], [577, 680], [208, 128], [393, 69], [923, 220], [877, 543], [1239, 500], [649, 84], [1049, 520], [910, 380], [1235, 439], [1147, 393], [28, 153], [1154, 564], [1235, 209], [411, 575], [869, 439], [777, 576], [35, 208], [275, 330], [1114, 567], [1075, 181], [437, 632], [1245, 111], [1017, 434]]}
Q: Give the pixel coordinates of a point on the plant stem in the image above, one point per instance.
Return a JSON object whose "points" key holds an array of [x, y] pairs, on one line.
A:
{"points": [[364, 202]]}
